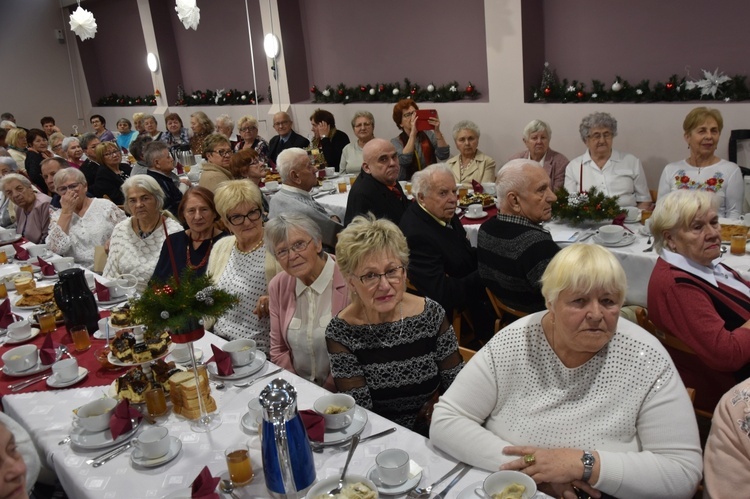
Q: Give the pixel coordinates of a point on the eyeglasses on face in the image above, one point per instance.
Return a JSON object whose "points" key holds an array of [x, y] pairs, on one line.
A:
{"points": [[70, 187], [240, 219], [249, 129], [297, 247], [281, 123], [111, 153], [393, 276], [598, 136], [223, 152]]}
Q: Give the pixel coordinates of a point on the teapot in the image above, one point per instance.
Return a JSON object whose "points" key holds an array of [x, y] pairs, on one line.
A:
{"points": [[75, 300], [287, 456]]}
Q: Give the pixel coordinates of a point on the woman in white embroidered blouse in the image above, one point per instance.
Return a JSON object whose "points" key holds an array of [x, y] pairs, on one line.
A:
{"points": [[574, 398], [82, 223], [136, 242], [704, 170]]}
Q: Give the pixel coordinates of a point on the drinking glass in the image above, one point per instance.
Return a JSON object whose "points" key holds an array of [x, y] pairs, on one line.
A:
{"points": [[156, 402], [238, 463], [47, 322], [81, 339]]}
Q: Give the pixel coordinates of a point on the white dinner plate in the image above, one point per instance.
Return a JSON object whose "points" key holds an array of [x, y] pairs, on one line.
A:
{"points": [[53, 382], [333, 437], [175, 446], [393, 490], [16, 341], [468, 492], [626, 240], [94, 440], [113, 301], [476, 217], [38, 368], [242, 371], [117, 362]]}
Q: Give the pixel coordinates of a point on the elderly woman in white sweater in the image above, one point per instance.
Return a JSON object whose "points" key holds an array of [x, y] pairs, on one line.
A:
{"points": [[575, 398]]}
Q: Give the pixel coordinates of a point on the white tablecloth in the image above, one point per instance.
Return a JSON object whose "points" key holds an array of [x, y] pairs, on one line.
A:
{"points": [[47, 417]]}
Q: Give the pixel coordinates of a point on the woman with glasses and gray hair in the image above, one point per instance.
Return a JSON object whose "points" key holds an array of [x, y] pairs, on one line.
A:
{"points": [[393, 351], [536, 137], [303, 298], [249, 138], [136, 242], [218, 153], [240, 264], [612, 172], [82, 223]]}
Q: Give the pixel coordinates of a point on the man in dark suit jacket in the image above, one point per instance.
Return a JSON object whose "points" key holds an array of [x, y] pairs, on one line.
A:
{"points": [[286, 137], [160, 166], [376, 189], [442, 263]]}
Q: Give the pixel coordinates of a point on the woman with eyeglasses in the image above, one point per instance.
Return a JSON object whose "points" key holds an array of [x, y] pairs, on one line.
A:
{"points": [[82, 223], [393, 351], [363, 125], [111, 173], [249, 138], [247, 164], [32, 208], [417, 149], [612, 172], [218, 154], [136, 242], [239, 264], [303, 298]]}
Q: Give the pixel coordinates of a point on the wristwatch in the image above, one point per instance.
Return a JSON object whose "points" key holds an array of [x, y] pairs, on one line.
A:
{"points": [[588, 461]]}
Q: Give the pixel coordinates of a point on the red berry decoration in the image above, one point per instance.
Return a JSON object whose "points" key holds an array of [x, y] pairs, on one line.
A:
{"points": [[313, 89], [203, 96], [341, 92], [413, 91], [382, 88], [229, 94], [547, 91], [362, 88], [670, 85], [579, 94]]}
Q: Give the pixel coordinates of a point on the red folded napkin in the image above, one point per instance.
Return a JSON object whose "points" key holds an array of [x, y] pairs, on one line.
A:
{"points": [[6, 316], [223, 361], [314, 424], [122, 418], [48, 352], [21, 252], [102, 292], [47, 268], [477, 187], [204, 485], [620, 220]]}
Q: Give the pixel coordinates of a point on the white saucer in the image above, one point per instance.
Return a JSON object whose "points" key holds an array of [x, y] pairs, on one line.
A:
{"points": [[626, 240], [248, 424], [241, 371], [113, 301], [94, 440], [393, 490], [632, 220], [359, 420], [34, 334], [266, 190], [468, 492], [475, 217], [12, 240], [198, 356], [54, 383], [175, 446], [38, 368]]}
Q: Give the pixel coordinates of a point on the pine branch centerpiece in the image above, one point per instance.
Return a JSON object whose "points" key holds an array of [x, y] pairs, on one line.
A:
{"points": [[582, 207], [180, 306]]}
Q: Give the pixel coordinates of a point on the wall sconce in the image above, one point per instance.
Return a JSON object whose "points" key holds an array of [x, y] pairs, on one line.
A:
{"points": [[152, 63], [271, 45]]}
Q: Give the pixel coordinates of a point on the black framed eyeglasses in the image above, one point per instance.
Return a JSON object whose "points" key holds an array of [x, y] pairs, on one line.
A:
{"points": [[240, 219], [223, 152], [393, 276]]}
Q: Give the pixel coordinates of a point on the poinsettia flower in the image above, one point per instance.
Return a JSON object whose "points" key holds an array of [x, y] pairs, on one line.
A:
{"points": [[189, 13], [83, 24], [710, 83]]}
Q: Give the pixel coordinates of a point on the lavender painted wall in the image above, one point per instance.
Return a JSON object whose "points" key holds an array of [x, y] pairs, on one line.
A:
{"points": [[645, 39], [359, 41]]}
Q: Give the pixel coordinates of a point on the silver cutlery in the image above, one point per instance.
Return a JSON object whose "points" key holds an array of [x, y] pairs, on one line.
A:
{"points": [[113, 455], [20, 386], [424, 492], [64, 440], [453, 482], [650, 248], [320, 446], [115, 451], [585, 237], [337, 490], [245, 384]]}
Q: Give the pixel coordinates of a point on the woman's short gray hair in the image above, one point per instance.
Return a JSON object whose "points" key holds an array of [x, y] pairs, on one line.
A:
{"points": [[421, 181], [278, 228], [14, 176], [69, 173], [146, 183], [466, 125], [597, 120], [677, 209], [535, 126], [67, 142], [7, 160], [363, 114]]}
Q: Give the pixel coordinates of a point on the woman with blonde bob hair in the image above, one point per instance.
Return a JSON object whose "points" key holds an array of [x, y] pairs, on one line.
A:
{"points": [[694, 297], [393, 351], [575, 398]]}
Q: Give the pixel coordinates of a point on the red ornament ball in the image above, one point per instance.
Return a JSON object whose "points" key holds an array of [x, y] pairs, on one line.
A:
{"points": [[413, 91], [670, 85], [547, 91], [341, 92], [203, 96], [382, 88], [313, 89], [229, 94], [579, 94], [362, 88], [469, 89]]}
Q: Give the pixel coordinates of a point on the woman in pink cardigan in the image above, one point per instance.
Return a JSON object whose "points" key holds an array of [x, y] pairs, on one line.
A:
{"points": [[303, 298]]}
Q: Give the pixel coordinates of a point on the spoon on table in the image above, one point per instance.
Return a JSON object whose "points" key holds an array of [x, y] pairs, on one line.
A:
{"points": [[424, 492], [337, 490], [227, 487]]}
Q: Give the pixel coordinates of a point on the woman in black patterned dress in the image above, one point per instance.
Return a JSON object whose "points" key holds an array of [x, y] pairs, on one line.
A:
{"points": [[392, 351]]}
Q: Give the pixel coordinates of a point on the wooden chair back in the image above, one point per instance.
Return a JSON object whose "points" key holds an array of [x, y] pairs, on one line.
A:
{"points": [[503, 311], [466, 353]]}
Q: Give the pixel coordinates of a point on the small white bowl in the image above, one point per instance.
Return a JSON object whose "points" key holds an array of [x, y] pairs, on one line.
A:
{"points": [[496, 483], [242, 352], [611, 233], [325, 485], [21, 358], [95, 415], [340, 420]]}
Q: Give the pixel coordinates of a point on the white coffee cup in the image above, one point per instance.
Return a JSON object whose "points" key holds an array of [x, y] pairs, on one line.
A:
{"points": [[37, 250], [634, 213], [475, 210], [65, 369], [19, 330], [328, 185], [21, 358], [95, 415], [489, 188], [255, 410], [746, 219], [330, 171], [611, 234], [393, 466], [115, 291], [153, 442], [63, 263], [340, 420], [242, 352], [273, 185], [180, 352]]}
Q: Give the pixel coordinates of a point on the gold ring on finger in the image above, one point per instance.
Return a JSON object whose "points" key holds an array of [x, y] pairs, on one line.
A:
{"points": [[529, 459]]}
